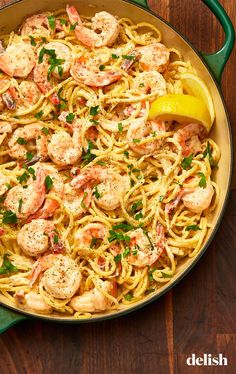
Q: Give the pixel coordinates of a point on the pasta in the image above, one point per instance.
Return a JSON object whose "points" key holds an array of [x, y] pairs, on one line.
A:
{"points": [[99, 205]]}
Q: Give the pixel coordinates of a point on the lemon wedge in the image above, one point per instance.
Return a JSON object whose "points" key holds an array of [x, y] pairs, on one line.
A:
{"points": [[181, 108], [194, 86]]}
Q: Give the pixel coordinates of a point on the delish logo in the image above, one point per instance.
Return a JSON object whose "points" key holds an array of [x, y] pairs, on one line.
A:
{"points": [[207, 360]]}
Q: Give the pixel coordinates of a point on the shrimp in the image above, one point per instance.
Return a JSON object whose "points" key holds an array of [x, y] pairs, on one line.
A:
{"points": [[90, 233], [139, 130], [63, 53], [189, 138], [154, 57], [144, 250], [63, 149], [40, 78], [30, 92], [83, 72], [5, 127], [199, 199], [110, 187], [195, 199], [105, 28], [94, 300], [32, 300], [36, 237], [38, 25], [149, 82], [4, 183], [18, 60], [77, 202], [18, 149], [61, 278], [26, 201]]}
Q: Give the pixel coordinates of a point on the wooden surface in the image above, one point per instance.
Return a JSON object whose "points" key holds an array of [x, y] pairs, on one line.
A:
{"points": [[197, 316]]}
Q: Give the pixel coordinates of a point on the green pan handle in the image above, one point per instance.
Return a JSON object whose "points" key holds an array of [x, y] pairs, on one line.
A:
{"points": [[216, 61], [8, 318]]}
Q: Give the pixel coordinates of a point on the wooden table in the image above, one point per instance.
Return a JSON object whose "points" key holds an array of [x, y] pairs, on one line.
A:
{"points": [[197, 316]]}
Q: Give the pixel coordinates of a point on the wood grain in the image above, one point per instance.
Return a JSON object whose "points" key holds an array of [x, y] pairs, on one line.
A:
{"points": [[198, 315]]}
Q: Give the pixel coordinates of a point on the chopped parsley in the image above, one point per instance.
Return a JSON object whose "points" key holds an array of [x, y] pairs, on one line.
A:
{"points": [[150, 274], [87, 157], [192, 227], [114, 56], [136, 205], [126, 252], [134, 253], [45, 130], [48, 183], [94, 110], [102, 67], [96, 193], [138, 216], [39, 114], [161, 198], [117, 258], [70, 117], [23, 178], [20, 205], [136, 140], [9, 217], [55, 239], [72, 27], [120, 127], [123, 226], [29, 156], [128, 57], [102, 163], [202, 182], [117, 236], [187, 161], [52, 22], [141, 85], [7, 267], [208, 153], [21, 141], [126, 153], [62, 21], [165, 275], [94, 121], [32, 41], [83, 200]]}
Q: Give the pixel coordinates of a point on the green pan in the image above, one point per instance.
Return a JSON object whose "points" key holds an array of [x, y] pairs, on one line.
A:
{"points": [[209, 67]]}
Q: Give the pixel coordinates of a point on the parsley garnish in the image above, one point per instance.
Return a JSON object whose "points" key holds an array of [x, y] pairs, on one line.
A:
{"points": [[128, 57], [23, 177], [39, 114], [94, 121], [123, 226], [9, 217], [117, 258], [87, 157], [136, 140], [7, 267], [32, 41], [161, 198], [202, 182], [29, 156], [70, 117], [94, 110], [114, 56], [83, 200], [136, 205], [120, 127], [126, 252], [45, 130], [96, 193], [164, 275], [72, 27], [117, 236], [21, 141], [20, 205], [48, 183], [102, 163], [52, 22], [56, 239], [192, 227], [150, 274], [187, 161], [138, 216], [126, 153], [62, 21], [102, 67], [208, 153], [141, 85], [134, 253]]}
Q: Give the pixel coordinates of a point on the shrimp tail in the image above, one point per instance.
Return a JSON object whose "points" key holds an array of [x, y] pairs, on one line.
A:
{"points": [[47, 211], [9, 100]]}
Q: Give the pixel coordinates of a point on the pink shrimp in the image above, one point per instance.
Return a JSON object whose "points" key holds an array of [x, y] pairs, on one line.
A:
{"points": [[189, 137]]}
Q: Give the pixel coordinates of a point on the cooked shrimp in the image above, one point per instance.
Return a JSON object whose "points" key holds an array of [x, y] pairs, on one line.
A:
{"points": [[149, 82], [83, 72], [50, 205], [36, 237], [4, 183], [94, 300], [195, 199], [30, 92], [32, 300], [26, 201], [153, 57], [28, 133], [38, 26], [200, 199], [62, 53], [77, 202], [110, 188], [189, 137], [89, 233], [18, 60], [61, 277], [139, 130], [5, 127], [11, 98], [41, 79], [144, 250], [105, 28], [64, 149]]}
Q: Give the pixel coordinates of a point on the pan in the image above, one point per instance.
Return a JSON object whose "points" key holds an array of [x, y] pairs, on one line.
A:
{"points": [[209, 67]]}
